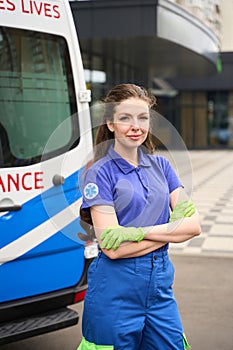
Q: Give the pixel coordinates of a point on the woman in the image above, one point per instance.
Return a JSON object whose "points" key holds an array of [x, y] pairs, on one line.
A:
{"points": [[128, 194]]}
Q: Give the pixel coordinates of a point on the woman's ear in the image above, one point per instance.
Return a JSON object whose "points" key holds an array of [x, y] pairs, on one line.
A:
{"points": [[110, 125]]}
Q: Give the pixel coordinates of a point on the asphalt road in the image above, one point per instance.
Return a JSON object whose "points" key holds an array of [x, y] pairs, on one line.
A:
{"points": [[203, 288]]}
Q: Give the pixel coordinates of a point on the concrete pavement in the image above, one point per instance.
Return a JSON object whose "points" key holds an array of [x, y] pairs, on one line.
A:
{"points": [[213, 196], [204, 279], [203, 289]]}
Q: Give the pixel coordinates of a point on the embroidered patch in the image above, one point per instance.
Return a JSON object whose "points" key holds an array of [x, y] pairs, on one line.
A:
{"points": [[91, 190]]}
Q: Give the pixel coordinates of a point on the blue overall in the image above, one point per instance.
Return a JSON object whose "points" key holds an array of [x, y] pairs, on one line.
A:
{"points": [[129, 302]]}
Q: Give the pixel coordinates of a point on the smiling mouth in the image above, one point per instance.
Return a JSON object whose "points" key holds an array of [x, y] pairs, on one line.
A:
{"points": [[134, 137]]}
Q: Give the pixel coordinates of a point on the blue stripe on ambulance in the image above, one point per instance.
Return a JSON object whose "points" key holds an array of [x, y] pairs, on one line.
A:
{"points": [[56, 263]]}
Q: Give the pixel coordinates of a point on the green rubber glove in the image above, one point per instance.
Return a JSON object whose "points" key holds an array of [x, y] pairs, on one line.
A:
{"points": [[113, 236], [182, 210]]}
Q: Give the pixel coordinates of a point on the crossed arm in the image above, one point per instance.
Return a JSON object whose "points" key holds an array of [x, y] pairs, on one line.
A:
{"points": [[155, 237]]}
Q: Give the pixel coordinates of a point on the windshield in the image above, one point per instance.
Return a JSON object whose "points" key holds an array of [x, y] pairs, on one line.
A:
{"points": [[36, 96]]}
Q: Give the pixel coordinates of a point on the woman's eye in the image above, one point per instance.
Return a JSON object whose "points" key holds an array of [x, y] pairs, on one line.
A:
{"points": [[124, 118], [144, 117]]}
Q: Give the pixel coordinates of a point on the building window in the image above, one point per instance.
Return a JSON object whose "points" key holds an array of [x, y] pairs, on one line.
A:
{"points": [[219, 121]]}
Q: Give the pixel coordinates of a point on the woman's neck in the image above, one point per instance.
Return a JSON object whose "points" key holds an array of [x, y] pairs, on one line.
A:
{"points": [[129, 154]]}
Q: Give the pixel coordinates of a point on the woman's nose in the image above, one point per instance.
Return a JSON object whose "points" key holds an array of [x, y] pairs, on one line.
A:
{"points": [[135, 123]]}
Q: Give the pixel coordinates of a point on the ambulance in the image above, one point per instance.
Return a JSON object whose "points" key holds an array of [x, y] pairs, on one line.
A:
{"points": [[45, 142]]}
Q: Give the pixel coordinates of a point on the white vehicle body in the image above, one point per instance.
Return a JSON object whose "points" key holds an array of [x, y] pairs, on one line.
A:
{"points": [[45, 142]]}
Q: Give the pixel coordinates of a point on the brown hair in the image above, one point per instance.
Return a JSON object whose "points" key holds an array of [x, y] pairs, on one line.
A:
{"points": [[118, 94]]}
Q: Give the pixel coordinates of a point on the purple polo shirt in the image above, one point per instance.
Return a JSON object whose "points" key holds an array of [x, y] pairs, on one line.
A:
{"points": [[140, 195]]}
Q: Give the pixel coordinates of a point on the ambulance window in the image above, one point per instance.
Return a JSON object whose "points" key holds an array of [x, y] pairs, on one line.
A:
{"points": [[38, 109]]}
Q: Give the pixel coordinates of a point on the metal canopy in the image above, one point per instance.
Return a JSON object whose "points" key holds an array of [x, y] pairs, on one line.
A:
{"points": [[158, 38]]}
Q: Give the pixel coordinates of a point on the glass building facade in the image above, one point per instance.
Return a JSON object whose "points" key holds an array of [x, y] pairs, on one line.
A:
{"points": [[197, 100]]}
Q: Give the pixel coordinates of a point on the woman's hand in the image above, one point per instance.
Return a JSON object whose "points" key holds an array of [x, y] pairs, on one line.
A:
{"points": [[182, 210], [112, 237]]}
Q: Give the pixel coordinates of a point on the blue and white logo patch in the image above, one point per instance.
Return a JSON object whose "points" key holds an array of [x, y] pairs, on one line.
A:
{"points": [[91, 190]]}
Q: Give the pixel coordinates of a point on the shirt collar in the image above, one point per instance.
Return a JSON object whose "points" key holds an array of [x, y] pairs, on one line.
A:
{"points": [[124, 166]]}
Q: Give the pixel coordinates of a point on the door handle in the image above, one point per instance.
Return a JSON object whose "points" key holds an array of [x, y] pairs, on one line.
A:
{"points": [[14, 207], [7, 204]]}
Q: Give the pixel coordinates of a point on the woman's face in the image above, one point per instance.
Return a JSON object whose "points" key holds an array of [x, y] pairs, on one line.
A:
{"points": [[131, 122]]}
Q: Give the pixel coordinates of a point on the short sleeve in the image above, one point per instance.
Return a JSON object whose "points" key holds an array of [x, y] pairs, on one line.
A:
{"points": [[170, 174], [96, 187]]}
